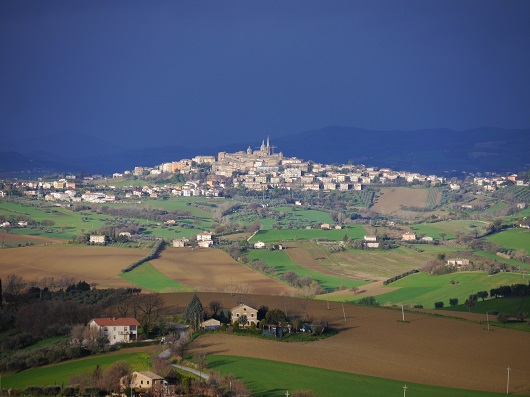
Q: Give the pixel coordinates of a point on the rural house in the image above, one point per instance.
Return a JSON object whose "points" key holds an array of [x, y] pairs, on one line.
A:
{"points": [[211, 324], [259, 245], [275, 330], [457, 262], [116, 330], [408, 236], [242, 309], [204, 236], [205, 244], [97, 239], [370, 242], [180, 242], [144, 382]]}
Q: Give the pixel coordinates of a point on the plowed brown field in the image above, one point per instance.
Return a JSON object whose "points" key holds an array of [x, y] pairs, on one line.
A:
{"points": [[10, 239], [208, 269], [426, 349], [100, 265]]}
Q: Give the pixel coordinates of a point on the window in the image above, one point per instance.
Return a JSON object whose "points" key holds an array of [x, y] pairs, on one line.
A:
{"points": [[114, 336], [125, 328], [106, 329], [114, 328]]}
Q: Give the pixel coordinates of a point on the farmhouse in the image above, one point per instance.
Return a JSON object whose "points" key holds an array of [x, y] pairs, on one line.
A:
{"points": [[370, 242], [242, 309], [97, 239], [204, 236], [408, 236], [205, 244], [325, 226], [457, 262], [144, 382], [180, 242], [116, 330], [211, 324], [259, 245]]}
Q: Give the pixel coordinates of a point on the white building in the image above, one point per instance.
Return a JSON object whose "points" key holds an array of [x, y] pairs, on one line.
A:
{"points": [[116, 330]]}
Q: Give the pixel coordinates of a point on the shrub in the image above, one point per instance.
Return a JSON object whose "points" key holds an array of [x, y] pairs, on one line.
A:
{"points": [[438, 305], [369, 301]]}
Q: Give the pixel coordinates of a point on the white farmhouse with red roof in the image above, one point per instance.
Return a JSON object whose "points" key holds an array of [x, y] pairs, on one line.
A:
{"points": [[116, 330]]}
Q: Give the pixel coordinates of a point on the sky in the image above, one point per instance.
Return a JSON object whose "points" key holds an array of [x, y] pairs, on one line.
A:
{"points": [[149, 73]]}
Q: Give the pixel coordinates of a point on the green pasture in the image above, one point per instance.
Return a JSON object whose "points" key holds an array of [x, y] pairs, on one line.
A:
{"points": [[282, 263], [147, 277], [67, 223], [354, 232], [304, 215], [450, 227], [512, 238], [425, 289], [60, 374], [272, 379], [499, 259], [178, 204], [44, 342], [510, 305]]}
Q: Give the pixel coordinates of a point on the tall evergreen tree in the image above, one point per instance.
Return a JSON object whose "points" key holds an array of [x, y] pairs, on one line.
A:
{"points": [[194, 313]]}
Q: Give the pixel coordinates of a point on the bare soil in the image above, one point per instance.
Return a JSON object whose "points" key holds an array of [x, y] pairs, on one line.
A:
{"points": [[93, 264], [425, 349], [209, 269], [11, 239]]}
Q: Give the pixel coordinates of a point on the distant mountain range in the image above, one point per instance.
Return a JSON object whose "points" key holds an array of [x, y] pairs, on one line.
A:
{"points": [[436, 151]]}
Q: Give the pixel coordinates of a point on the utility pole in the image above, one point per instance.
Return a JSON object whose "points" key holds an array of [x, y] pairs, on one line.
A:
{"points": [[488, 319], [508, 382], [402, 313], [405, 391], [343, 312], [287, 393]]}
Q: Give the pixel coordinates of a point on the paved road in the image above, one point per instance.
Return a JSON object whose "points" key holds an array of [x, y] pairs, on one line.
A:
{"points": [[166, 354]]}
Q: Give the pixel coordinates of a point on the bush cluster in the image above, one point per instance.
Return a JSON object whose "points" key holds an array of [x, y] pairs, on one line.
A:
{"points": [[159, 245], [400, 276]]}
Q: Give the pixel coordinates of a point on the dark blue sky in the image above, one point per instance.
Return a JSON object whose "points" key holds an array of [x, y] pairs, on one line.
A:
{"points": [[149, 73]]}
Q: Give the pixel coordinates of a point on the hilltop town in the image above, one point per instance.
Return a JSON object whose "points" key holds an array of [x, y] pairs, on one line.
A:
{"points": [[258, 170]]}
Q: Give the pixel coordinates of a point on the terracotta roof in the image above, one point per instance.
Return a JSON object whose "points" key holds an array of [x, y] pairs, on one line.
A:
{"points": [[123, 321]]}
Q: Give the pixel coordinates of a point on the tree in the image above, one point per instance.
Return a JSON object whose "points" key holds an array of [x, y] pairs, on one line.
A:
{"points": [[275, 316], [262, 312], [453, 301], [482, 295], [194, 313], [150, 305], [442, 235], [242, 320], [215, 306], [369, 301], [438, 305], [1, 295], [470, 303]]}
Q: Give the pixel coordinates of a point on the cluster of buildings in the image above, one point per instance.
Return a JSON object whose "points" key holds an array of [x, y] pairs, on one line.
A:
{"points": [[491, 184], [257, 169]]}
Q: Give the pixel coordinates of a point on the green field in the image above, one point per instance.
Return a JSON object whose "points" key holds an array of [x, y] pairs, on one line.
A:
{"points": [[450, 227], [282, 263], [67, 223], [512, 238], [503, 260], [355, 232], [272, 379], [147, 277], [60, 374], [509, 305], [425, 289]]}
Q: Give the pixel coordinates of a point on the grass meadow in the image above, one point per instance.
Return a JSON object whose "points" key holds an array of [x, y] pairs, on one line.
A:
{"points": [[425, 289], [282, 263], [67, 223], [449, 227], [510, 305], [272, 379], [267, 236], [512, 238], [60, 374], [147, 277]]}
